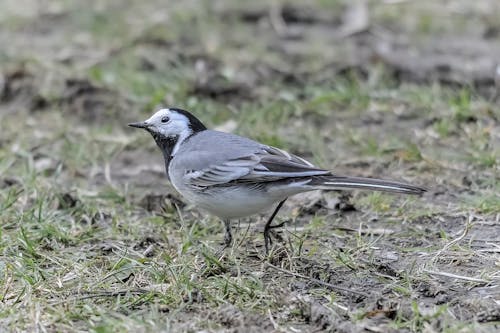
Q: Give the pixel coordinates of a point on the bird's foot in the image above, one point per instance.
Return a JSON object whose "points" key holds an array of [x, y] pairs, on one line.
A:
{"points": [[267, 235]]}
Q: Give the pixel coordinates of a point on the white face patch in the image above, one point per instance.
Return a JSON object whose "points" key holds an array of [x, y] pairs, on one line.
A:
{"points": [[169, 123]]}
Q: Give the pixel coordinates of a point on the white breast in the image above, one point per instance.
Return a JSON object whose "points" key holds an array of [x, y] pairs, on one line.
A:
{"points": [[229, 202]]}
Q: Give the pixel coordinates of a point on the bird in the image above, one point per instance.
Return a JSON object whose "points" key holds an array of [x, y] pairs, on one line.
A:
{"points": [[232, 176]]}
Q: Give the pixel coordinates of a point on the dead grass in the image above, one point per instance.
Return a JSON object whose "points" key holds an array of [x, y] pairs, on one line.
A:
{"points": [[93, 238]]}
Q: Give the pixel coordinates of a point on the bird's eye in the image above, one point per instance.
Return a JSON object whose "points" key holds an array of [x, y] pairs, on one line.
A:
{"points": [[165, 119]]}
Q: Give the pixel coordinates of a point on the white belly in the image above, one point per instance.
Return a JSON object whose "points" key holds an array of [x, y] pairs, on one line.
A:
{"points": [[233, 202]]}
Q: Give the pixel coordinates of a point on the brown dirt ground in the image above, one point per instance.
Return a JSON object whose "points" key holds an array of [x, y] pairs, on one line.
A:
{"points": [[401, 265]]}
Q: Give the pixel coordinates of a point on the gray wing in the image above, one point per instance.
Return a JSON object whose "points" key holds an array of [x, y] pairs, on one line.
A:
{"points": [[263, 165]]}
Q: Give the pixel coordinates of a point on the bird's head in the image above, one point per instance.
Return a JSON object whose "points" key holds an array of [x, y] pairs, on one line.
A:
{"points": [[170, 127], [171, 123]]}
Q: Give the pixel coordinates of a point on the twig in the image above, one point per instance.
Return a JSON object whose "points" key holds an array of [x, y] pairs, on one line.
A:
{"points": [[104, 294], [367, 231], [243, 237], [276, 20], [340, 306], [326, 284], [114, 293], [461, 277], [275, 324], [494, 250], [468, 225]]}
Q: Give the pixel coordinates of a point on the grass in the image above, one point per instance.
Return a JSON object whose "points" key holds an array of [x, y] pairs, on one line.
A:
{"points": [[92, 237]]}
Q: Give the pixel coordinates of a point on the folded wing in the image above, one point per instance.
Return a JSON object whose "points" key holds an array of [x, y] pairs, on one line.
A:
{"points": [[266, 165]]}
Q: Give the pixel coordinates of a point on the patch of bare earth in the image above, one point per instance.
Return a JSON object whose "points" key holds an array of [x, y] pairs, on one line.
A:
{"points": [[343, 263]]}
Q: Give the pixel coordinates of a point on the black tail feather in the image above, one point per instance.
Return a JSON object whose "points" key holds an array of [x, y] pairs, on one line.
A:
{"points": [[331, 182]]}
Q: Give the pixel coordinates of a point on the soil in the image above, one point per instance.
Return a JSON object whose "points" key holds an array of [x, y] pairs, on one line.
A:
{"points": [[397, 263]]}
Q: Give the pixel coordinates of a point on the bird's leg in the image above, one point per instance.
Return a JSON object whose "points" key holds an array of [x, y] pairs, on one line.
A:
{"points": [[268, 226], [228, 238]]}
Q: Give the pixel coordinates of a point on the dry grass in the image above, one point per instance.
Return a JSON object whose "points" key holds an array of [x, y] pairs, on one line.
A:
{"points": [[94, 239]]}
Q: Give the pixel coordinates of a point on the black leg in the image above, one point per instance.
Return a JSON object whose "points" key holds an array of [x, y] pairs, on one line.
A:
{"points": [[268, 226], [228, 236]]}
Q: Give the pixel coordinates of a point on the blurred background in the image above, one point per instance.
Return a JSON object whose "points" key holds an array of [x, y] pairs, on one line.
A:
{"points": [[395, 89], [420, 74]]}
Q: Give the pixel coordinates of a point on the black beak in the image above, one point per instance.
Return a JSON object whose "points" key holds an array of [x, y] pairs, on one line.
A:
{"points": [[141, 124]]}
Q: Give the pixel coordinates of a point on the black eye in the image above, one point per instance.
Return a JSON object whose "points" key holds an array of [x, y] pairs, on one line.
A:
{"points": [[165, 119]]}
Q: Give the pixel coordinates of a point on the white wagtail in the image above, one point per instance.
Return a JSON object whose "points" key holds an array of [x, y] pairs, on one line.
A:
{"points": [[232, 177]]}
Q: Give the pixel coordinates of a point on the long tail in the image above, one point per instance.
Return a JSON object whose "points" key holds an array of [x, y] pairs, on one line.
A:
{"points": [[332, 182]]}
